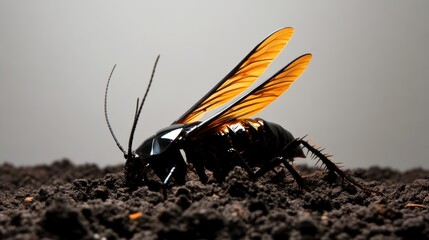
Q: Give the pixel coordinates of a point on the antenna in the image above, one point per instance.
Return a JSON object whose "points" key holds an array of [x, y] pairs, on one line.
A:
{"points": [[136, 115], [105, 113], [139, 109]]}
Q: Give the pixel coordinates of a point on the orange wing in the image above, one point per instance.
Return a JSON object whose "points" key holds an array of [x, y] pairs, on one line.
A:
{"points": [[241, 77], [260, 97]]}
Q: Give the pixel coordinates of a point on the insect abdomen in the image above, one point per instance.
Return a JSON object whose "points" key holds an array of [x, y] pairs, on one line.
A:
{"points": [[252, 141], [257, 140]]}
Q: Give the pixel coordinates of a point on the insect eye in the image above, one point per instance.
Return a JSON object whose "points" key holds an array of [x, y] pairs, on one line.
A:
{"points": [[164, 139], [145, 149], [160, 145]]}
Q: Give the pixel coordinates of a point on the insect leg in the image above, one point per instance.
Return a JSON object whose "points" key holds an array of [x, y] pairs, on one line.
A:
{"points": [[199, 168], [331, 166], [165, 182], [299, 180], [277, 161], [241, 162], [196, 158]]}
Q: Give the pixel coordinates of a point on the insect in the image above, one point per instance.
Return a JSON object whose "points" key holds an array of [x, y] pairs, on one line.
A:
{"points": [[229, 137]]}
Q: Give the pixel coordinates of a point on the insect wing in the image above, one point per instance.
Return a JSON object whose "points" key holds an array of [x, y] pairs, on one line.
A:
{"points": [[241, 77], [260, 97]]}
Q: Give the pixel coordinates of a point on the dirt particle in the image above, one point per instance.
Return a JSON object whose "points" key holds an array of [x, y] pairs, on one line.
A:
{"points": [[63, 222], [100, 192]]}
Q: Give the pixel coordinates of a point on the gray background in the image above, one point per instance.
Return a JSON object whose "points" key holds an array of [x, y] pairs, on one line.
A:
{"points": [[364, 96]]}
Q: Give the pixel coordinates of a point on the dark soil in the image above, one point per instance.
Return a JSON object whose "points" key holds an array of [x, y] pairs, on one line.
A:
{"points": [[64, 201]]}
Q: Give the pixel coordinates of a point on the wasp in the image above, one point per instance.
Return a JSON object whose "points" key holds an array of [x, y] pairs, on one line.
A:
{"points": [[230, 137]]}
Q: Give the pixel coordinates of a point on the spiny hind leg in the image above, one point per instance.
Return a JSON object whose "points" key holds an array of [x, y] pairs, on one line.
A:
{"points": [[329, 165]]}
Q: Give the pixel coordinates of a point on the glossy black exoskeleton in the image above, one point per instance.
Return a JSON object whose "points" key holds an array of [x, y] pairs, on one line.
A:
{"points": [[248, 143], [230, 137]]}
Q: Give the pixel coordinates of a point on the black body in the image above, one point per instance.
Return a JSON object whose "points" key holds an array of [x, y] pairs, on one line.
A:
{"points": [[248, 143]]}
